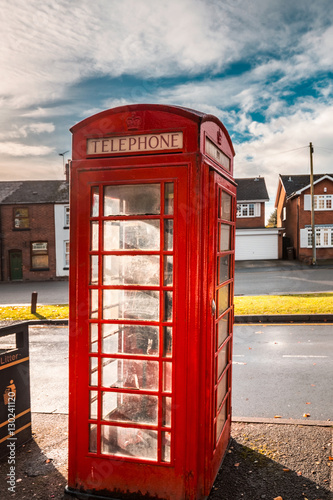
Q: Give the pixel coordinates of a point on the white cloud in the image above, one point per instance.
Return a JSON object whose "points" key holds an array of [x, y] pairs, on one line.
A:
{"points": [[17, 149]]}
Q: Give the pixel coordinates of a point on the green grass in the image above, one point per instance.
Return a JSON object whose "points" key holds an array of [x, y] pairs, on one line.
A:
{"points": [[314, 303], [20, 313]]}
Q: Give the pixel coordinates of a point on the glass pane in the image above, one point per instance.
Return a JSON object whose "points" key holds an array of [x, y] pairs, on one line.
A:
{"points": [[131, 270], [130, 304], [222, 330], [93, 438], [166, 446], [167, 377], [130, 339], [168, 270], [93, 405], [130, 374], [221, 419], [225, 237], [223, 267], [119, 407], [223, 299], [167, 341], [94, 270], [93, 337], [225, 206], [166, 412], [93, 371], [138, 199], [94, 202], [222, 360], [168, 198], [221, 390], [93, 303], [167, 306], [132, 235], [129, 442], [94, 235], [168, 234]]}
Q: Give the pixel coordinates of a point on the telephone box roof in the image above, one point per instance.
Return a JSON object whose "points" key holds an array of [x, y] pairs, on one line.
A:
{"points": [[191, 114]]}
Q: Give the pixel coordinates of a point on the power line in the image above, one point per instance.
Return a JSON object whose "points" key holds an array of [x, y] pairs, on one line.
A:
{"points": [[275, 154]]}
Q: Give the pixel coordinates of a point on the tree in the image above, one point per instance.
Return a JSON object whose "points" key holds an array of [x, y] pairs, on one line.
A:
{"points": [[272, 221]]}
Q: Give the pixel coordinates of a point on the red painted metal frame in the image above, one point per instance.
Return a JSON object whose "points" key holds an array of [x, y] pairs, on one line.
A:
{"points": [[196, 456]]}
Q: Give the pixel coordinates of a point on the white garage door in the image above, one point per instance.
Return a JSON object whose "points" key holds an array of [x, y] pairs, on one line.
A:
{"points": [[256, 246]]}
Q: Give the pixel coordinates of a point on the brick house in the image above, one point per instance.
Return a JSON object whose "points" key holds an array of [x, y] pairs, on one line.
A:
{"points": [[293, 204], [253, 240], [28, 231], [251, 198]]}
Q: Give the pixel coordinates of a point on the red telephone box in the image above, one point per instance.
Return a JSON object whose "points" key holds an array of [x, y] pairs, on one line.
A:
{"points": [[151, 303]]}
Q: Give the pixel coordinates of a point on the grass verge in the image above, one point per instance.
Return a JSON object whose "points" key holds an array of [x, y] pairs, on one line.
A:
{"points": [[21, 313], [312, 303]]}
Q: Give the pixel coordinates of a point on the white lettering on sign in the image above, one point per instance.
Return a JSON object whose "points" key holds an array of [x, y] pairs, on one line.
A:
{"points": [[218, 155], [135, 143]]}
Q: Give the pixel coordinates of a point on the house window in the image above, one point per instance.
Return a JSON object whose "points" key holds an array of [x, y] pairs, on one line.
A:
{"points": [[324, 237], [247, 209], [66, 259], [21, 218], [320, 202], [39, 255], [66, 216]]}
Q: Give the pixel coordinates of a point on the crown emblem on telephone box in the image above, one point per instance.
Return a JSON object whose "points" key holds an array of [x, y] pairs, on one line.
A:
{"points": [[134, 122]]}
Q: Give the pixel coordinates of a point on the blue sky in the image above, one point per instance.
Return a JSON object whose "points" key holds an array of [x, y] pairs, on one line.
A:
{"points": [[264, 67]]}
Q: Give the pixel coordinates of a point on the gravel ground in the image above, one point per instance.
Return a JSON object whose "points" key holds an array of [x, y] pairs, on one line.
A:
{"points": [[264, 461]]}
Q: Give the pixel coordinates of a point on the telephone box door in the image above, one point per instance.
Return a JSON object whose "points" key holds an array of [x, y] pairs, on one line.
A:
{"points": [[128, 367], [221, 262]]}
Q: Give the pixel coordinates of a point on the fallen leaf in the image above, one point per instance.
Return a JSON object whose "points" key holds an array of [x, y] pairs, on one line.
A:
{"points": [[286, 470], [330, 458], [306, 415], [299, 473], [236, 465]]}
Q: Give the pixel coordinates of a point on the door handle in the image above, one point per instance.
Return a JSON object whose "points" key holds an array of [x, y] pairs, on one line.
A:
{"points": [[213, 307]]}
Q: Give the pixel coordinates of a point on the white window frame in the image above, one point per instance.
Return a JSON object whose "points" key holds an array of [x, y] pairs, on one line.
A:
{"points": [[321, 202], [248, 210], [66, 216], [66, 254], [324, 237]]}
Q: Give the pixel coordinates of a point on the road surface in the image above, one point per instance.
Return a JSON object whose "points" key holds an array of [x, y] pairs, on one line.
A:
{"points": [[280, 370]]}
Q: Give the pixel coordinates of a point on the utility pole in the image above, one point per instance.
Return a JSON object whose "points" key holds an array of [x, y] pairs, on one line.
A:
{"points": [[312, 208]]}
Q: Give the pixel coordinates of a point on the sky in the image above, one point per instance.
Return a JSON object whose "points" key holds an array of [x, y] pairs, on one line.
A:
{"points": [[263, 67]]}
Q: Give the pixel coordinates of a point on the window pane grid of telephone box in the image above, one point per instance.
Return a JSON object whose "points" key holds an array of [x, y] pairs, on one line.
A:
{"points": [[131, 321], [223, 315]]}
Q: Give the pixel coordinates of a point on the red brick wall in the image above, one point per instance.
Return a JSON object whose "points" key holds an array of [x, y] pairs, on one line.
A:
{"points": [[41, 221]]}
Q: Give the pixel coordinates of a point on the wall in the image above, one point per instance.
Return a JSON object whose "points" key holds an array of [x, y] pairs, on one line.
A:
{"points": [[41, 222]]}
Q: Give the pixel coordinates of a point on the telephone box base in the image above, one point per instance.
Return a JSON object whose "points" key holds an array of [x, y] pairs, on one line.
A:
{"points": [[79, 495]]}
